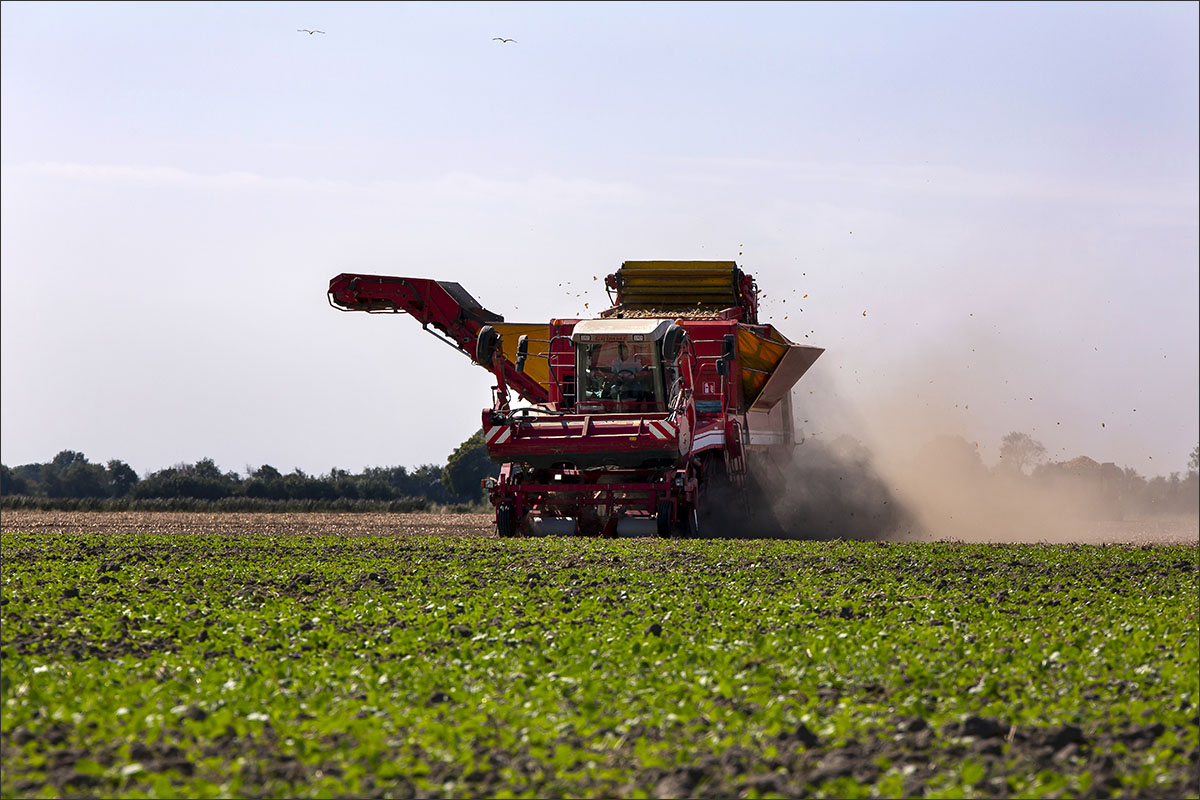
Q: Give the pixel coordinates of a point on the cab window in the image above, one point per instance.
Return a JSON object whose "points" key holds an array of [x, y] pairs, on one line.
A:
{"points": [[620, 376]]}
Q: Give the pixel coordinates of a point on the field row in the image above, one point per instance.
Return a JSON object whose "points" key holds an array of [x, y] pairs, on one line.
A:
{"points": [[299, 659]]}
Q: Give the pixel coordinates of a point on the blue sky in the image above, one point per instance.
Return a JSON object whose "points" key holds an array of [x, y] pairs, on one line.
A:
{"points": [[1009, 191]]}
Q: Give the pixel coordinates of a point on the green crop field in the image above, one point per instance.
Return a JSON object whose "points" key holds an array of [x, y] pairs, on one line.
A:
{"points": [[276, 658]]}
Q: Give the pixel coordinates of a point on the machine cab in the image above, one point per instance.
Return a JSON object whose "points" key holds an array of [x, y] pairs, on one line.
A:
{"points": [[619, 366]]}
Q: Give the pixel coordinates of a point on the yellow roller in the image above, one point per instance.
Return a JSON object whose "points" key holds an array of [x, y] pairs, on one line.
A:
{"points": [[678, 284]]}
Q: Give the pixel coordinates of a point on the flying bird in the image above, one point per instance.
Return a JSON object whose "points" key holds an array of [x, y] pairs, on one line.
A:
{"points": [[501, 39], [306, 30]]}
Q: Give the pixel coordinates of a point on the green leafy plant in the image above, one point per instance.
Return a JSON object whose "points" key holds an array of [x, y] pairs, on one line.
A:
{"points": [[262, 662]]}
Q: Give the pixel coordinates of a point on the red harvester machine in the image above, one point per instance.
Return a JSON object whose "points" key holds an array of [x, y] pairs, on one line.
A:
{"points": [[674, 393]]}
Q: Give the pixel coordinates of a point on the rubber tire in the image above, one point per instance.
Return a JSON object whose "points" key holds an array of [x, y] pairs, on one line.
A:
{"points": [[505, 524], [664, 518], [672, 342], [485, 345]]}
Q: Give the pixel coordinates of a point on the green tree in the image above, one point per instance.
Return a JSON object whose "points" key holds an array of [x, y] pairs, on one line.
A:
{"points": [[205, 468], [51, 477], [266, 481], [1194, 461], [202, 480], [300, 486], [31, 477], [66, 458], [344, 484], [466, 467], [121, 478], [266, 473], [12, 483], [69, 474], [82, 479], [397, 480], [427, 482]]}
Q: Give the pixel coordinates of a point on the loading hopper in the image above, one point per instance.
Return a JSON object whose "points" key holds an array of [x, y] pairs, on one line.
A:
{"points": [[771, 366]]}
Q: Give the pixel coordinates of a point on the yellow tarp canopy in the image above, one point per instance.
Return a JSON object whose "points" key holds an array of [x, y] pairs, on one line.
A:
{"points": [[759, 358], [771, 365], [536, 365]]}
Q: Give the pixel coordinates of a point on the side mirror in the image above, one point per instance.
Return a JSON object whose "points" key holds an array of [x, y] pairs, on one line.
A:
{"points": [[730, 345], [522, 352]]}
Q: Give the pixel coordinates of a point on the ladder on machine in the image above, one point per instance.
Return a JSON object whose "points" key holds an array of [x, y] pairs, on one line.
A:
{"points": [[735, 465]]}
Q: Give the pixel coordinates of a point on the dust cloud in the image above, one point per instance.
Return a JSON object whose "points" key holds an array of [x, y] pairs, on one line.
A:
{"points": [[907, 482], [825, 491]]}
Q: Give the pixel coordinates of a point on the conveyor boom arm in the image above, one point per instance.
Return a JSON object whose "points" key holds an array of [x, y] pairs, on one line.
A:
{"points": [[454, 314]]}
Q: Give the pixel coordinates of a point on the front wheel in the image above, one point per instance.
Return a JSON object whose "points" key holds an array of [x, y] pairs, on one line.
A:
{"points": [[666, 510], [505, 524]]}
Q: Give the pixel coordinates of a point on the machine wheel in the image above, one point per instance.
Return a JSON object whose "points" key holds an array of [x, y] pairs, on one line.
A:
{"points": [[664, 518], [715, 492], [485, 345], [672, 343], [505, 524]]}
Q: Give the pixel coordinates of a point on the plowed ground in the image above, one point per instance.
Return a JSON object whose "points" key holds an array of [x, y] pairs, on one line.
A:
{"points": [[418, 656]]}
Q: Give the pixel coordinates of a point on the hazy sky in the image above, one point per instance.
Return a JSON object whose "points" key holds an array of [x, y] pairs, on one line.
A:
{"points": [[1009, 191]]}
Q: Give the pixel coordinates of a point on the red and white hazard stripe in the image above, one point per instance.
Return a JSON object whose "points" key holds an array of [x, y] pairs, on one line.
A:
{"points": [[713, 435], [497, 434], [660, 429]]}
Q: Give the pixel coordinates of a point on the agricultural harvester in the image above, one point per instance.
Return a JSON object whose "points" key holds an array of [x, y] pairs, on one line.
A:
{"points": [[657, 412]]}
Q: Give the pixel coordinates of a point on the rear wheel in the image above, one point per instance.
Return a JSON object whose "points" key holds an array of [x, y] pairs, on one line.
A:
{"points": [[665, 523], [716, 501], [505, 523]]}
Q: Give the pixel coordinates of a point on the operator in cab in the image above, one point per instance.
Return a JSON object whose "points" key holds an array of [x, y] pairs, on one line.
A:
{"points": [[627, 372], [631, 365]]}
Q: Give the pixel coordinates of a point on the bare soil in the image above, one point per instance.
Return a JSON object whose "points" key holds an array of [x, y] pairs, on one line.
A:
{"points": [[306, 524], [1156, 530]]}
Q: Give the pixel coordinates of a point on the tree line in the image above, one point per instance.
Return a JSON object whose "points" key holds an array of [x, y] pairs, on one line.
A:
{"points": [[71, 481], [1108, 490]]}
